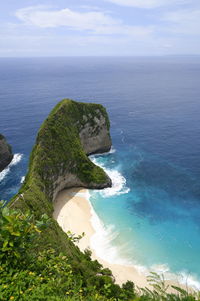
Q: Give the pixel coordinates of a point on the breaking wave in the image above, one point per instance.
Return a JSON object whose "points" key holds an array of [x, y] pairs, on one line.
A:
{"points": [[16, 159], [118, 181], [102, 242]]}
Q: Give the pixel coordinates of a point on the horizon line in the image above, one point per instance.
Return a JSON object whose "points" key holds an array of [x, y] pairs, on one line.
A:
{"points": [[101, 56]]}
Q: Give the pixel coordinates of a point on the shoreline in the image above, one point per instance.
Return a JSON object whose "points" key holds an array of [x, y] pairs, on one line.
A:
{"points": [[73, 212]]}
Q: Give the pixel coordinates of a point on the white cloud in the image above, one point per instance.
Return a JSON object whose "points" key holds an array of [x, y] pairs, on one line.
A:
{"points": [[94, 21], [85, 30], [41, 17], [183, 22], [147, 3]]}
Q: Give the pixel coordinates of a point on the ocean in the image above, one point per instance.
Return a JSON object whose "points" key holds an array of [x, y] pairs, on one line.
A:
{"points": [[150, 218]]}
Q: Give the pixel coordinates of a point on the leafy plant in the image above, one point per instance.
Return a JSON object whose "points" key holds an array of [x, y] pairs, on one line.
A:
{"points": [[17, 231], [73, 237]]}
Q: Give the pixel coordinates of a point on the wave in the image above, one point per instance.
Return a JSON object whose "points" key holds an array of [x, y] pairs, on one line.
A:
{"points": [[189, 280], [118, 184], [22, 179], [181, 277], [16, 159], [118, 181], [102, 242], [4, 173]]}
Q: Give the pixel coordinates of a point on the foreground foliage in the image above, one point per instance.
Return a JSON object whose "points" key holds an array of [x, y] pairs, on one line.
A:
{"points": [[29, 273]]}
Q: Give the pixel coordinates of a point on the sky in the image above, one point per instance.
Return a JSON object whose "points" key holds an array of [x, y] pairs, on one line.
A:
{"points": [[35, 28]]}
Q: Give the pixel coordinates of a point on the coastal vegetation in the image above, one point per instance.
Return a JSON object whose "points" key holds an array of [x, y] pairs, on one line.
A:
{"points": [[31, 272], [58, 159], [38, 261]]}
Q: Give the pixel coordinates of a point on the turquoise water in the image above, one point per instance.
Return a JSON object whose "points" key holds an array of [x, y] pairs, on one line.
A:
{"points": [[151, 216], [144, 224]]}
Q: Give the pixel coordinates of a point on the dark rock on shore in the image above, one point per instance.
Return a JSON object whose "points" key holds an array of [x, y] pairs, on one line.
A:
{"points": [[6, 155]]}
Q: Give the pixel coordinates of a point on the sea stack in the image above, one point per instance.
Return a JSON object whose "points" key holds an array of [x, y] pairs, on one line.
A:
{"points": [[59, 160], [5, 153]]}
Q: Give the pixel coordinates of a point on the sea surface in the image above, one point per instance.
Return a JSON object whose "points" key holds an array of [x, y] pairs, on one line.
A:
{"points": [[151, 216]]}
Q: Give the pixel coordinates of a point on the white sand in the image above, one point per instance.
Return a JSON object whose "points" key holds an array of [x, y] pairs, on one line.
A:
{"points": [[72, 210]]}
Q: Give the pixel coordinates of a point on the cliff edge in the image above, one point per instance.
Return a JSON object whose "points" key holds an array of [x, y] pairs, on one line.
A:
{"points": [[5, 153], [59, 158]]}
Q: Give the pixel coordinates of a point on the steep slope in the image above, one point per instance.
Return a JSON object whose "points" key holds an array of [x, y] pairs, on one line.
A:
{"points": [[59, 158], [5, 153]]}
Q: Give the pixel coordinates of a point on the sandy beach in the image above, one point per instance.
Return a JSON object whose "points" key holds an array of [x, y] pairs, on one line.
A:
{"points": [[72, 210]]}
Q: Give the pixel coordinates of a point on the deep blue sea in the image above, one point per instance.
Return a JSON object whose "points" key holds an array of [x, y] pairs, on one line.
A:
{"points": [[151, 216]]}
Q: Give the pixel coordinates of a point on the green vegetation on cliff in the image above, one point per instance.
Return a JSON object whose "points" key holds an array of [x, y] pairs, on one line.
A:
{"points": [[38, 261], [58, 154]]}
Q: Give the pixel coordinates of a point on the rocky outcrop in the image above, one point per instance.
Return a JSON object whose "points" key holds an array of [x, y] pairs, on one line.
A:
{"points": [[59, 159], [5, 153], [95, 137]]}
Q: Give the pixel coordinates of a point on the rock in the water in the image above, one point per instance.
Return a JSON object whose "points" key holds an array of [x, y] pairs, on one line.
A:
{"points": [[5, 153]]}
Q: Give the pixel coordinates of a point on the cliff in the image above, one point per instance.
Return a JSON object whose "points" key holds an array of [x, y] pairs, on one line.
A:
{"points": [[5, 153], [59, 159]]}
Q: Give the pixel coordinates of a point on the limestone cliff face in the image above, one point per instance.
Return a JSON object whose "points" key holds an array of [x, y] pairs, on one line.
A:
{"points": [[5, 153], [95, 137], [59, 158]]}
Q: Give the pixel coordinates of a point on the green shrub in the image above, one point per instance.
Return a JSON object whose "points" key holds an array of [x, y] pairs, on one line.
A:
{"points": [[29, 274]]}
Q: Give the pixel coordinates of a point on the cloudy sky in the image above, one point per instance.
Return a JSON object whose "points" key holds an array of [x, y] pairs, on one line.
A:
{"points": [[99, 27]]}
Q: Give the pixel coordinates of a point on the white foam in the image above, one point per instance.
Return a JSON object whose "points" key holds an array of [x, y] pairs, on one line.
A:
{"points": [[189, 280], [160, 268], [102, 239], [16, 159], [118, 182], [102, 242], [4, 173], [181, 277], [22, 179]]}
